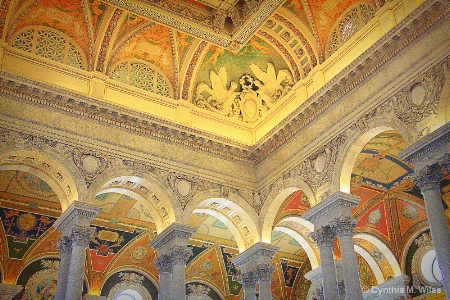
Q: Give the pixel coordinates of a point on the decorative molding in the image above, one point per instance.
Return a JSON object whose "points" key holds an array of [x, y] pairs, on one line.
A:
{"points": [[175, 234], [431, 149], [78, 214], [258, 253], [360, 70], [339, 204], [209, 24]]}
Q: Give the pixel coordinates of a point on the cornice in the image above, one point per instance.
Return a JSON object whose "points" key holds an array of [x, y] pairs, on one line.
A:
{"points": [[78, 104], [372, 60], [431, 147]]}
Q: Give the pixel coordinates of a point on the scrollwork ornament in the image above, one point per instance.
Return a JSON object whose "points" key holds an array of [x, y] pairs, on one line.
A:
{"points": [[81, 236], [163, 263], [64, 245], [324, 236], [263, 272], [180, 254], [344, 226], [428, 177]]}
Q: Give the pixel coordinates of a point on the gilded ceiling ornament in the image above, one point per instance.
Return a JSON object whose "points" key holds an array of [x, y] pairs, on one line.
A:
{"points": [[219, 98]]}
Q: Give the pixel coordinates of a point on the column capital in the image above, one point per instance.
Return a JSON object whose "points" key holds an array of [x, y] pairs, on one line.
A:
{"points": [[64, 245], [78, 214], [81, 236], [174, 235], [263, 272], [247, 279], [257, 254], [428, 177], [344, 226], [324, 236], [180, 254], [337, 205], [163, 263]]}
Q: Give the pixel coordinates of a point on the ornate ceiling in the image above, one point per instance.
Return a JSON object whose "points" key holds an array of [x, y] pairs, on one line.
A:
{"points": [[232, 59]]}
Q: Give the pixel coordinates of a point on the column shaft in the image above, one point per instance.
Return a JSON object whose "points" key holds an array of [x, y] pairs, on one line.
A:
{"points": [[65, 250], [324, 237], [76, 273], [329, 281], [352, 283], [249, 292], [439, 231], [164, 285], [80, 238], [179, 281], [265, 290]]}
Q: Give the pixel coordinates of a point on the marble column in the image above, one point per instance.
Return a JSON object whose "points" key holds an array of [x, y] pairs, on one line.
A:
{"points": [[248, 282], [74, 224], [316, 289], [171, 246], [80, 239], [323, 215], [430, 156], [344, 227], [324, 237], [428, 180], [65, 251], [164, 265], [263, 274], [256, 263], [180, 256], [8, 291]]}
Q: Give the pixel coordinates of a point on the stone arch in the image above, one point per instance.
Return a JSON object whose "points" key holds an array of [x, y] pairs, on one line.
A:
{"points": [[56, 170], [232, 209], [143, 187], [144, 285], [275, 199], [371, 262], [408, 245], [208, 284], [383, 248], [355, 143], [314, 261]]}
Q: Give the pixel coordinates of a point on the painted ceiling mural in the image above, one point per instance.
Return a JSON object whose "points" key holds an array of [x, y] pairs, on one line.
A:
{"points": [[242, 82], [392, 207]]}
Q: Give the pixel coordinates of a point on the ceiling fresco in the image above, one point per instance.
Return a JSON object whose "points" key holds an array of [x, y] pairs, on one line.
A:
{"points": [[391, 207], [269, 47]]}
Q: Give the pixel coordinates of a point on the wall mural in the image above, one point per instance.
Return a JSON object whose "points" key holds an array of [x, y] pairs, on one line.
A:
{"points": [[391, 207]]}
